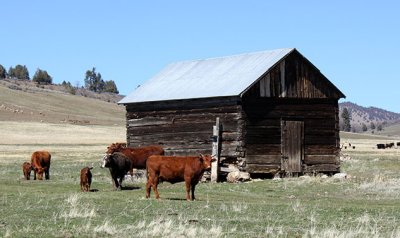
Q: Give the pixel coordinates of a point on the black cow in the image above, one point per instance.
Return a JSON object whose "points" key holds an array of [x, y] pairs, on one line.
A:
{"points": [[118, 165]]}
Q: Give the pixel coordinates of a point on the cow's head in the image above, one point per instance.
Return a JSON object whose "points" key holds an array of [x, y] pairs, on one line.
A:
{"points": [[206, 160], [115, 147], [106, 161], [39, 172]]}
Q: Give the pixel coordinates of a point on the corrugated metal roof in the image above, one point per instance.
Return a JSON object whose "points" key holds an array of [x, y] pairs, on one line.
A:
{"points": [[214, 77]]}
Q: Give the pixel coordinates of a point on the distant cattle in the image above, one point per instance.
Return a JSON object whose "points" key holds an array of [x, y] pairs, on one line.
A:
{"points": [[26, 169], [380, 146], [40, 161], [175, 169], [398, 144], [385, 146], [86, 179], [119, 165], [138, 155], [390, 145]]}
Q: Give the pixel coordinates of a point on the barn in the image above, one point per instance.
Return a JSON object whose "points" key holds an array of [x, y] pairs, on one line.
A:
{"points": [[274, 111]]}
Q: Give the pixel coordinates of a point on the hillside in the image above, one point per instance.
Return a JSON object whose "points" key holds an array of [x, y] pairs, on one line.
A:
{"points": [[25, 101], [360, 115]]}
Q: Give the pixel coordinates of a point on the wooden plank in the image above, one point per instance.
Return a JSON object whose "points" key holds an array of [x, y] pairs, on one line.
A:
{"points": [[262, 88], [268, 85], [215, 152], [260, 149], [283, 79], [264, 159], [258, 168]]}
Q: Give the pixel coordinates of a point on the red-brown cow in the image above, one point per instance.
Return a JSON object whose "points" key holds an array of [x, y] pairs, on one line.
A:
{"points": [[137, 155], [86, 179], [175, 169], [27, 168], [41, 163]]}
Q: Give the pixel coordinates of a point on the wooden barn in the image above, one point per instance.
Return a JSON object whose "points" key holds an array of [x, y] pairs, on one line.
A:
{"points": [[277, 112]]}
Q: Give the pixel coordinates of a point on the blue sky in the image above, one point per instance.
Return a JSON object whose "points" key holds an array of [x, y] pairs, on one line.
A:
{"points": [[355, 44]]}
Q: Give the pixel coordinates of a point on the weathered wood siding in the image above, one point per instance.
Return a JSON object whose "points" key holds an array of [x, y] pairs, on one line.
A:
{"points": [[186, 127], [263, 137], [294, 77]]}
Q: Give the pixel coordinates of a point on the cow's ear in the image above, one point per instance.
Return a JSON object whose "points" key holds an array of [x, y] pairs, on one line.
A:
{"points": [[201, 155]]}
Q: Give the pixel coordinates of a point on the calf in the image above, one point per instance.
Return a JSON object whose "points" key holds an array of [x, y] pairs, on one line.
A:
{"points": [[119, 165], [86, 179], [175, 169], [27, 168], [40, 161]]}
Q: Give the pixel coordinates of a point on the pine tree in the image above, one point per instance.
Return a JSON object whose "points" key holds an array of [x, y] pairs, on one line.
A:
{"points": [[3, 72], [42, 77], [346, 119]]}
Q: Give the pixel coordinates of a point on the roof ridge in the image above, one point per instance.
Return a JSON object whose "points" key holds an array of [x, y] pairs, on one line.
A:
{"points": [[231, 56]]}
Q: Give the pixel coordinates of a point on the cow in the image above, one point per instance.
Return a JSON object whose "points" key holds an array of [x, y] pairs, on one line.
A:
{"points": [[137, 155], [381, 146], [40, 161], [86, 179], [27, 168], [119, 165], [175, 169]]}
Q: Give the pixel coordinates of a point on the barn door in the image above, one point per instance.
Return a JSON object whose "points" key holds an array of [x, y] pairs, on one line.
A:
{"points": [[292, 146]]}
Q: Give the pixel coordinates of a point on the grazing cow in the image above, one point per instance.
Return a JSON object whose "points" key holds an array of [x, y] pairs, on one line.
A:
{"points": [[118, 165], [27, 168], [175, 169], [86, 179], [40, 161], [380, 146], [138, 155]]}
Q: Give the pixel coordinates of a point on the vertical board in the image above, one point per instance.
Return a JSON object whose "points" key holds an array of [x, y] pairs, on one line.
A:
{"points": [[283, 81], [215, 151], [292, 146]]}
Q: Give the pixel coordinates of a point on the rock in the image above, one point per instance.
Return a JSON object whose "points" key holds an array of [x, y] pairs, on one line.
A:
{"points": [[238, 176], [340, 176]]}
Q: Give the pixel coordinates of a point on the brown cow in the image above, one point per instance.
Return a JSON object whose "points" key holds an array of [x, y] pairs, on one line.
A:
{"points": [[41, 163], [175, 169], [137, 155], [86, 179], [27, 168]]}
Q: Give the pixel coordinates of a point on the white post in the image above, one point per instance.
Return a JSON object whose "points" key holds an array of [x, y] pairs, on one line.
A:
{"points": [[215, 151]]}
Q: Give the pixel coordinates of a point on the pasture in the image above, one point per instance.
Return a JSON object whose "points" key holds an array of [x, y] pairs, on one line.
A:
{"points": [[366, 204]]}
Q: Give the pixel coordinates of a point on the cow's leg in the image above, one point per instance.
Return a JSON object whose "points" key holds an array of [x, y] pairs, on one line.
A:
{"points": [[115, 183], [193, 187], [155, 189], [148, 188], [187, 183], [120, 181], [34, 174], [47, 173]]}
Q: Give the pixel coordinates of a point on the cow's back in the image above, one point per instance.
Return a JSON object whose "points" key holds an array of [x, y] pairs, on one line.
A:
{"points": [[139, 155], [41, 159]]}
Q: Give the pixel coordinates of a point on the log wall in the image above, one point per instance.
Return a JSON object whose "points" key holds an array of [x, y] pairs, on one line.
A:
{"points": [[186, 128]]}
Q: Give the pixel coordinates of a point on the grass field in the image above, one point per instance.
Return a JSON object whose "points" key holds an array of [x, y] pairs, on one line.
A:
{"points": [[366, 204]]}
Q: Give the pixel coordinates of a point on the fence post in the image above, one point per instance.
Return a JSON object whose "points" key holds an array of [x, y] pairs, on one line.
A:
{"points": [[215, 151]]}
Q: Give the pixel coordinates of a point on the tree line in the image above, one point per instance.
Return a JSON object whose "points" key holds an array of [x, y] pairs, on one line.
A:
{"points": [[93, 80]]}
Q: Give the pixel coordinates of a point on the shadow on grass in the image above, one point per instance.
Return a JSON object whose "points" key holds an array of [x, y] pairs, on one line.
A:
{"points": [[130, 188]]}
